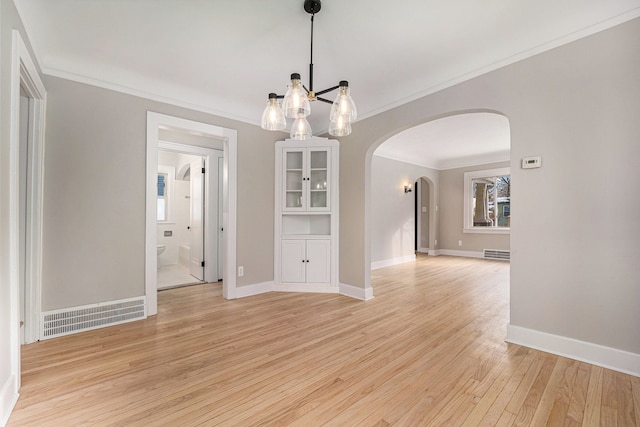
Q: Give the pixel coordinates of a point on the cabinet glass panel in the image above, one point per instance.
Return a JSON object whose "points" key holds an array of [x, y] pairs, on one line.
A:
{"points": [[294, 160], [293, 179], [318, 199], [294, 199], [318, 161]]}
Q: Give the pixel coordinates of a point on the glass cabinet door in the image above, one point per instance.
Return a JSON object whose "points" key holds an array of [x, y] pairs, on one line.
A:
{"points": [[293, 174], [318, 179]]}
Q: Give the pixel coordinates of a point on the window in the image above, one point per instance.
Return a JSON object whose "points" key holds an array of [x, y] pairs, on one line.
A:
{"points": [[487, 201], [164, 192], [162, 197]]}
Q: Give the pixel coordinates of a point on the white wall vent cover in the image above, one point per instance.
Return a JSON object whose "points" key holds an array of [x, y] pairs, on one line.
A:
{"points": [[67, 321], [497, 254]]}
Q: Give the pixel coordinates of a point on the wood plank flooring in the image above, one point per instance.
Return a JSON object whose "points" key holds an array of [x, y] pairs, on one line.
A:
{"points": [[429, 350]]}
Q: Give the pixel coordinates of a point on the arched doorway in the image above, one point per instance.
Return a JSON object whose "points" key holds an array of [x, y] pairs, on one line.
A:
{"points": [[452, 142]]}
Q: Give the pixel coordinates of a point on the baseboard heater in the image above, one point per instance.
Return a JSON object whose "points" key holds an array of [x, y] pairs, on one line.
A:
{"points": [[72, 320], [497, 254]]}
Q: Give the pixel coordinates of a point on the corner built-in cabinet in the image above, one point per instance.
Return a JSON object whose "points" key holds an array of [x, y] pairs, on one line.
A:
{"points": [[306, 217]]}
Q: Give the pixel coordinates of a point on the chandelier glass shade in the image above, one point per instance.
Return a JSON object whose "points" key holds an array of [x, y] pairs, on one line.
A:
{"points": [[296, 102], [273, 117]]}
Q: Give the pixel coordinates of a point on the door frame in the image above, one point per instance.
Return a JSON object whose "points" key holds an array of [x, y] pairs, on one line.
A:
{"points": [[24, 73], [155, 122]]}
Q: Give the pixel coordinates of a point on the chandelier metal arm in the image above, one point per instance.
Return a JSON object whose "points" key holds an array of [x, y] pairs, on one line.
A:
{"points": [[324, 100], [322, 92]]}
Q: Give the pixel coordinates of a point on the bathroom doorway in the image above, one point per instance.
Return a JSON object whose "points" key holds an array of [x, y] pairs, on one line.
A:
{"points": [[160, 128], [189, 213]]}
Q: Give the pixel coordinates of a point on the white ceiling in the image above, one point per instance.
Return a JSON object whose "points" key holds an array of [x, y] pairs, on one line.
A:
{"points": [[225, 56], [452, 142]]}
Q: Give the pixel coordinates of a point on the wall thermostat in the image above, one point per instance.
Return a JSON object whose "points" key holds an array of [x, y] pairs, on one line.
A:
{"points": [[531, 162]]}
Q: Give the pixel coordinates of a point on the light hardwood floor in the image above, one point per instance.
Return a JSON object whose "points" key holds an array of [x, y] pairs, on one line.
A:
{"points": [[428, 350]]}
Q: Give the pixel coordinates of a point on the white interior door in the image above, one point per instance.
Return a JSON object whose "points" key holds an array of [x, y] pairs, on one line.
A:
{"points": [[196, 259], [220, 157]]}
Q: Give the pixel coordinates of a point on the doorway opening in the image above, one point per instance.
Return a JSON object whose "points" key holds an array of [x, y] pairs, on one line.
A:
{"points": [[189, 215], [424, 241], [217, 147]]}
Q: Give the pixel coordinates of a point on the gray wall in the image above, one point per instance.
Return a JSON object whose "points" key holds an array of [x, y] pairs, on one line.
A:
{"points": [[574, 268], [392, 211], [94, 195], [452, 212]]}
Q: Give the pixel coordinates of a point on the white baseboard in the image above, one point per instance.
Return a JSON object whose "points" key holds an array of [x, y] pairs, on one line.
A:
{"points": [[466, 254], [8, 398], [255, 289], [262, 288], [393, 261], [305, 287], [434, 252], [595, 354], [423, 250], [355, 292]]}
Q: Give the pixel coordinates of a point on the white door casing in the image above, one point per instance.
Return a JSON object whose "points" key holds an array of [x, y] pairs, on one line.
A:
{"points": [[228, 139]]}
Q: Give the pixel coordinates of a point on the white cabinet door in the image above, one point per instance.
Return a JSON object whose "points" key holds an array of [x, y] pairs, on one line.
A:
{"points": [[317, 179], [294, 180], [306, 261], [293, 261], [306, 179], [318, 261]]}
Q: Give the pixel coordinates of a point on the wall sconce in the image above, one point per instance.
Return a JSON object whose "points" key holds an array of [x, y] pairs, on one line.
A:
{"points": [[407, 188]]}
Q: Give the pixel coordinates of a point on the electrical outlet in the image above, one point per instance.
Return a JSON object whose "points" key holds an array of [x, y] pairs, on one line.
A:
{"points": [[435, 242], [241, 271], [459, 242]]}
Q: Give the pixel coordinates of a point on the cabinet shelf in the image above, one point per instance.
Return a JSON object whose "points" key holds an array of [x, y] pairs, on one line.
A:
{"points": [[306, 225]]}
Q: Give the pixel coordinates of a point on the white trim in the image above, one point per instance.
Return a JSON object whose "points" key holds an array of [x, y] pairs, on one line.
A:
{"points": [[355, 292], [423, 250], [254, 289], [306, 287], [466, 254], [392, 261], [184, 103], [595, 354], [434, 252], [343, 289], [230, 142], [25, 73], [8, 398]]}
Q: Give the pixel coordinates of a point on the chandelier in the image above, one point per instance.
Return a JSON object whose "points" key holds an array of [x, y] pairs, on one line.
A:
{"points": [[296, 102]]}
